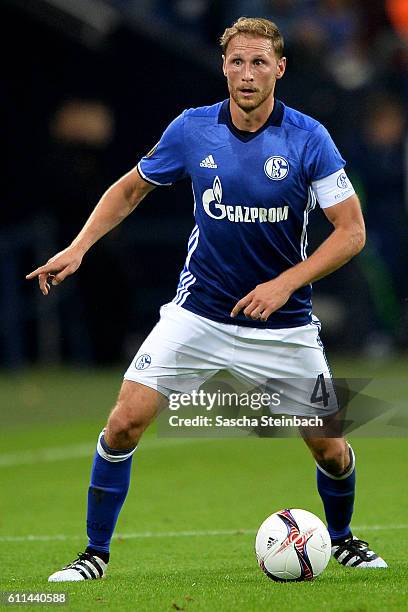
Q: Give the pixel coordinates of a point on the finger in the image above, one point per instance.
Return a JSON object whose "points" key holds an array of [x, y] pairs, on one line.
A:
{"points": [[56, 279], [267, 313], [251, 307], [43, 283], [256, 312], [241, 304], [45, 269]]}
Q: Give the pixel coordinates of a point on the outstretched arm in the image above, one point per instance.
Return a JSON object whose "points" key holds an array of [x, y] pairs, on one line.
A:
{"points": [[114, 206], [346, 240]]}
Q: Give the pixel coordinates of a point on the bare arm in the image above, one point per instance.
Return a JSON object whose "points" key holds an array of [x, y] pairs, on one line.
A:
{"points": [[346, 240], [114, 206]]}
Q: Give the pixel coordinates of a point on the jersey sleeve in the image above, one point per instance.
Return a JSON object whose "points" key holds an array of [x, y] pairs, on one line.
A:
{"points": [[165, 163], [321, 157]]}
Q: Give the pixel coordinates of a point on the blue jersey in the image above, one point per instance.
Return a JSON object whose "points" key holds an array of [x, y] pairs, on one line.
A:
{"points": [[252, 197]]}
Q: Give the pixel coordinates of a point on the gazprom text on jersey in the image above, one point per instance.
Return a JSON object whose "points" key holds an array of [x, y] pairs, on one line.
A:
{"points": [[247, 214]]}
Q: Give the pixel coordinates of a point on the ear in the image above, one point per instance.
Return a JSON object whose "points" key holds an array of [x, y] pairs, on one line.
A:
{"points": [[223, 66], [281, 67]]}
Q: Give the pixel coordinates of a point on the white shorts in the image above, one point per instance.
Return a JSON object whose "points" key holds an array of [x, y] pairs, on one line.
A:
{"points": [[184, 350]]}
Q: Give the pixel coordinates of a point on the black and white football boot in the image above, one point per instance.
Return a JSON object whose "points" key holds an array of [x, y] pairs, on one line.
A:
{"points": [[84, 567], [353, 552]]}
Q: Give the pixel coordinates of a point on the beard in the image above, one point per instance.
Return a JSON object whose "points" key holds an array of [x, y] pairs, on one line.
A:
{"points": [[248, 104]]}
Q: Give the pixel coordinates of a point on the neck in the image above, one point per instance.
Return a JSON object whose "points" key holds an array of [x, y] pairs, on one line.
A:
{"points": [[251, 121]]}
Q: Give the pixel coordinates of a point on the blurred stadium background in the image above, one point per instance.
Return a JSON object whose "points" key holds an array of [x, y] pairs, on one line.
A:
{"points": [[87, 89]]}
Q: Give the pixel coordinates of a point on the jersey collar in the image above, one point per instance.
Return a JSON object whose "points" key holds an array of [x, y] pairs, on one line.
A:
{"points": [[274, 119]]}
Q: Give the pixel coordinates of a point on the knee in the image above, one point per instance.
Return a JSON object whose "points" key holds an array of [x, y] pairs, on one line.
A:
{"points": [[135, 409], [333, 458], [125, 426]]}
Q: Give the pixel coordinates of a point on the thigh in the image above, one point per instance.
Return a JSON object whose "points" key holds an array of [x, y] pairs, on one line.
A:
{"points": [[137, 402], [331, 427]]}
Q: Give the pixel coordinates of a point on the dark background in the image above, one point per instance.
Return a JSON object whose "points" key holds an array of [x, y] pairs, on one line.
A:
{"points": [[88, 87]]}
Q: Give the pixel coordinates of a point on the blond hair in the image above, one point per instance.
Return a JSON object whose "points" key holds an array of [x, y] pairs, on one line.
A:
{"points": [[256, 26]]}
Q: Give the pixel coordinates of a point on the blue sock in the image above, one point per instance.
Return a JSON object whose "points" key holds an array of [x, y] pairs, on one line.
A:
{"points": [[337, 493], [110, 478]]}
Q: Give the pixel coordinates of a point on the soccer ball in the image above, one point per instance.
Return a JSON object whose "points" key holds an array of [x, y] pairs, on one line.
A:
{"points": [[292, 545]]}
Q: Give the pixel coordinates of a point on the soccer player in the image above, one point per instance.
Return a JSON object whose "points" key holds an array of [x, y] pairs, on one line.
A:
{"points": [[243, 302]]}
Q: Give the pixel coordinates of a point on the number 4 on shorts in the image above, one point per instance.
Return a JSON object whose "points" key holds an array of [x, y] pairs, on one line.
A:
{"points": [[320, 386]]}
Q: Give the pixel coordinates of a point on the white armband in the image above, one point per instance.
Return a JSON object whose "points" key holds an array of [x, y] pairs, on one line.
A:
{"points": [[333, 189]]}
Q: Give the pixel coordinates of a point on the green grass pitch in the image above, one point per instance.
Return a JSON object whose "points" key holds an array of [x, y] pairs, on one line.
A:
{"points": [[185, 538]]}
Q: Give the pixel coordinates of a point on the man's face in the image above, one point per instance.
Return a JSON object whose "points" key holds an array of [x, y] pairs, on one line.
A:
{"points": [[251, 68]]}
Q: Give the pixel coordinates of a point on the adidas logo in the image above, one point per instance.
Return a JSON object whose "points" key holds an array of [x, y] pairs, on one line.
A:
{"points": [[270, 543], [208, 162]]}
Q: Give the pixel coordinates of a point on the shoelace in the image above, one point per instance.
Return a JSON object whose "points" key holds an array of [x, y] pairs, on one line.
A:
{"points": [[358, 546], [81, 557]]}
